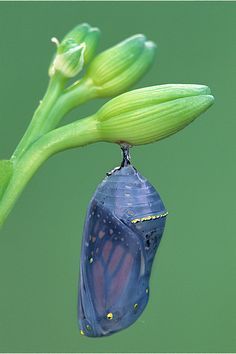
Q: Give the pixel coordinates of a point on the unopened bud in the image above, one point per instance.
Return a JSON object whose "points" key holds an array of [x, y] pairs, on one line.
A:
{"points": [[76, 50], [84, 33], [119, 67], [69, 59], [152, 113]]}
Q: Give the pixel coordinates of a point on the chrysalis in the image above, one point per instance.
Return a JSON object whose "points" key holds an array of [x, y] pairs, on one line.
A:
{"points": [[123, 228]]}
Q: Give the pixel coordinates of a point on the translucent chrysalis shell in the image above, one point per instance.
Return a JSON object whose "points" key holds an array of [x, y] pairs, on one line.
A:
{"points": [[123, 228]]}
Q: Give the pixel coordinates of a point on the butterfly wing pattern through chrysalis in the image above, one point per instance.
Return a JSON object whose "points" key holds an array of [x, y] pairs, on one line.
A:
{"points": [[123, 228]]}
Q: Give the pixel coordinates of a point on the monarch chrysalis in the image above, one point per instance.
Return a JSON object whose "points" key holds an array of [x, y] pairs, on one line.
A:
{"points": [[123, 227]]}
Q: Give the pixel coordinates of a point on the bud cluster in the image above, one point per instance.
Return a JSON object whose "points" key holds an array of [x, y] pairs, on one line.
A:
{"points": [[136, 117]]}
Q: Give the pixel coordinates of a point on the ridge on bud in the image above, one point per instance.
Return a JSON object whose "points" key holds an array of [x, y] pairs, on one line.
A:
{"points": [[76, 50], [149, 114], [120, 66]]}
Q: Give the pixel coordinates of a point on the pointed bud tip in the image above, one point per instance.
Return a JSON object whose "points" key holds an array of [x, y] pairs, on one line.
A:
{"points": [[206, 89], [208, 99], [95, 30], [82, 26], [150, 45], [81, 31], [143, 39], [90, 30], [136, 39], [85, 27], [198, 88], [139, 36], [93, 34]]}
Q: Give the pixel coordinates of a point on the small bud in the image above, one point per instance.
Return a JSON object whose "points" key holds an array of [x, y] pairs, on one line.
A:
{"points": [[69, 59], [76, 50], [152, 113], [119, 67], [85, 34]]}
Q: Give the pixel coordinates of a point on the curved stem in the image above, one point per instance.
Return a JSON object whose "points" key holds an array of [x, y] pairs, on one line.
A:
{"points": [[77, 134], [55, 105], [74, 96], [55, 87]]}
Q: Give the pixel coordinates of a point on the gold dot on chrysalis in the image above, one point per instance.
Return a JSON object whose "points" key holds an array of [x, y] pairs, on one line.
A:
{"points": [[88, 327], [110, 316], [82, 332], [147, 291], [135, 306], [91, 260]]}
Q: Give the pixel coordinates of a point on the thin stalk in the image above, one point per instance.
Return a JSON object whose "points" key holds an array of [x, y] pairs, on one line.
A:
{"points": [[55, 87], [73, 135], [82, 92]]}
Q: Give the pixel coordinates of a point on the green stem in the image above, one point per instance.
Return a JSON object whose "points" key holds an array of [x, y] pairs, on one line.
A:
{"points": [[55, 87], [73, 135], [74, 96], [55, 105]]}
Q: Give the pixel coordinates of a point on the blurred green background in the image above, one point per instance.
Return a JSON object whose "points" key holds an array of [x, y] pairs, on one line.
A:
{"points": [[193, 283]]}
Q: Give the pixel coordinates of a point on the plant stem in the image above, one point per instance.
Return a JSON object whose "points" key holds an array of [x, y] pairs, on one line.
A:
{"points": [[74, 96], [55, 87], [56, 103], [76, 134]]}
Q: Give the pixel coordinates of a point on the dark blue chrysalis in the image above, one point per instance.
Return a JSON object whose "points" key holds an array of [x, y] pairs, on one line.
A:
{"points": [[123, 228]]}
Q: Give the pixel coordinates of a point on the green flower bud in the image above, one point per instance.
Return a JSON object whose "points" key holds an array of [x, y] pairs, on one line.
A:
{"points": [[85, 34], [119, 67], [152, 113], [76, 50], [69, 60]]}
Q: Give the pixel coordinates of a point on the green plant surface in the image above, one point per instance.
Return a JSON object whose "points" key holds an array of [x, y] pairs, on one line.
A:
{"points": [[134, 118]]}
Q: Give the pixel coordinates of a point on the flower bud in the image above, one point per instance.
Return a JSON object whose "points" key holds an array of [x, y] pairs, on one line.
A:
{"points": [[146, 115], [69, 59], [85, 34], [119, 67], [76, 50]]}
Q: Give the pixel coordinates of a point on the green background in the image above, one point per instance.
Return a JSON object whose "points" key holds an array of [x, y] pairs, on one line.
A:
{"points": [[193, 292]]}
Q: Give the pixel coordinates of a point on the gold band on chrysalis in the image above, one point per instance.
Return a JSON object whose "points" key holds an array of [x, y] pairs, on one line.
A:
{"points": [[150, 217]]}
